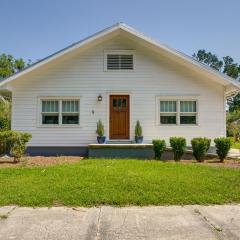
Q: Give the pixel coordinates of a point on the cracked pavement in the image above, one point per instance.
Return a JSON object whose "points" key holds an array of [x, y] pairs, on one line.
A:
{"points": [[172, 222]]}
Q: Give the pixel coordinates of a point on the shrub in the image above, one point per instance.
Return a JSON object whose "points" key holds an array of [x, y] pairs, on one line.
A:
{"points": [[14, 143], [6, 141], [138, 129], [232, 140], [223, 146], [100, 129], [4, 124], [200, 147], [178, 145], [5, 115], [159, 146]]}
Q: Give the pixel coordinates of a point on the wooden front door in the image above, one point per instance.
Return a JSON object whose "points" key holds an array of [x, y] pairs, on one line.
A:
{"points": [[119, 117]]}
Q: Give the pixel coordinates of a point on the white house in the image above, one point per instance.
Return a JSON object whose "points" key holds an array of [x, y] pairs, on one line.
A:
{"points": [[57, 99]]}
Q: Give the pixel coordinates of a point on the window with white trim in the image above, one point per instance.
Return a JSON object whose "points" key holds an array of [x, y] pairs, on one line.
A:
{"points": [[188, 112], [50, 112], [168, 112], [178, 112], [60, 112]]}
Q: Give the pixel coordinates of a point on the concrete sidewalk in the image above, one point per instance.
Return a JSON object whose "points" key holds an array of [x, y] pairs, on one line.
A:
{"points": [[175, 222]]}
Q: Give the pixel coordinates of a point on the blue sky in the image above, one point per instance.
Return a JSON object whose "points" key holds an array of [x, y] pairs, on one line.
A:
{"points": [[34, 29]]}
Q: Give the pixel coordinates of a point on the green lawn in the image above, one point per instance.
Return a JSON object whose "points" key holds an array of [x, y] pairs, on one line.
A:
{"points": [[236, 145], [119, 182]]}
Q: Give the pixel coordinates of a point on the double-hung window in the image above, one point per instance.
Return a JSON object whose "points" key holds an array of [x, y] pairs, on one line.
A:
{"points": [[60, 112], [50, 112], [70, 112], [178, 112], [188, 112], [168, 112]]}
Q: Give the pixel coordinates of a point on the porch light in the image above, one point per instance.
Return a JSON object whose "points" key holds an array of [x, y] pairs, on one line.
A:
{"points": [[99, 98]]}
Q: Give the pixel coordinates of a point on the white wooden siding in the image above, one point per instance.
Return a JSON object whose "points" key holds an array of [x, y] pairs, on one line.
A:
{"points": [[83, 75]]}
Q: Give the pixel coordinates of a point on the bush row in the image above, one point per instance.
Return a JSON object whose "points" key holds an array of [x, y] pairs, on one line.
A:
{"points": [[14, 143], [200, 147]]}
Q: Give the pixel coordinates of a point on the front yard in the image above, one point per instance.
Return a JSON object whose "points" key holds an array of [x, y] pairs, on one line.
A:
{"points": [[118, 182]]}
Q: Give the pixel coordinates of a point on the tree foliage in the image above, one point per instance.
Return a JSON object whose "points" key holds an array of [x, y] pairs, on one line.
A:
{"points": [[226, 66], [209, 59], [10, 65], [5, 115], [233, 124]]}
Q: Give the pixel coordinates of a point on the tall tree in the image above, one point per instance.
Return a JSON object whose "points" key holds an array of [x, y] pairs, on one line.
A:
{"points": [[227, 66], [209, 59], [10, 65]]}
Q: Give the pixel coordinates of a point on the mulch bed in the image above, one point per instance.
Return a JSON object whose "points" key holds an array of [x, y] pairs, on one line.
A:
{"points": [[229, 163], [50, 161], [38, 161]]}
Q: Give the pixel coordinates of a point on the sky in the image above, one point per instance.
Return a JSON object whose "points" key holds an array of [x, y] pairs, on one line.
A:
{"points": [[34, 29]]}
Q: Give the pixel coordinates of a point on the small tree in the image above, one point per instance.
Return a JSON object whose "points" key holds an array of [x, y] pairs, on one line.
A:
{"points": [[200, 148], [100, 129], [159, 146], [19, 146], [14, 143], [179, 146], [138, 129], [223, 146]]}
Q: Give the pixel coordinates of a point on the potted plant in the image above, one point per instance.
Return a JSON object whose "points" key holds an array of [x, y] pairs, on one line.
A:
{"points": [[100, 132], [138, 133]]}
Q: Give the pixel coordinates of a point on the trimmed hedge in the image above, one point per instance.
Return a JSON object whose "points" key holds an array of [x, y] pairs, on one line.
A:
{"points": [[223, 146], [179, 147], [159, 146], [200, 147]]}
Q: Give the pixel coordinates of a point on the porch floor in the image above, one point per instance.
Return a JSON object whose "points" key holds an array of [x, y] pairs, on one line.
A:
{"points": [[120, 145]]}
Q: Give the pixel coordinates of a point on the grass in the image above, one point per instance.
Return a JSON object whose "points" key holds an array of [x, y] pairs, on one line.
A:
{"points": [[118, 182], [236, 145]]}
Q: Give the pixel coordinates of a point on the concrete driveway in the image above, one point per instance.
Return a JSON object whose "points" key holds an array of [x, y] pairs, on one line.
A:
{"points": [[175, 222]]}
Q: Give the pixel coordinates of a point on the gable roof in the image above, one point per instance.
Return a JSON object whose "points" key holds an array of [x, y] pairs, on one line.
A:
{"points": [[235, 85]]}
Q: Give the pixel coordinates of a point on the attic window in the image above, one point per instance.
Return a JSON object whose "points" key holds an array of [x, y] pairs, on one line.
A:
{"points": [[119, 60]]}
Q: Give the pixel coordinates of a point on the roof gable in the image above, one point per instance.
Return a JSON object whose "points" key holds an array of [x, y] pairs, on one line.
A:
{"points": [[123, 28]]}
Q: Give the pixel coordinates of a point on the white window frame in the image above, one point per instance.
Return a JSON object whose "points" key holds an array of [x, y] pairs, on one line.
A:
{"points": [[119, 52], [187, 113], [169, 113], [60, 100], [178, 99]]}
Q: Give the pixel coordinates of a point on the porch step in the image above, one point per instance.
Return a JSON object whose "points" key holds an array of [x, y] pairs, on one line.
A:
{"points": [[121, 150]]}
